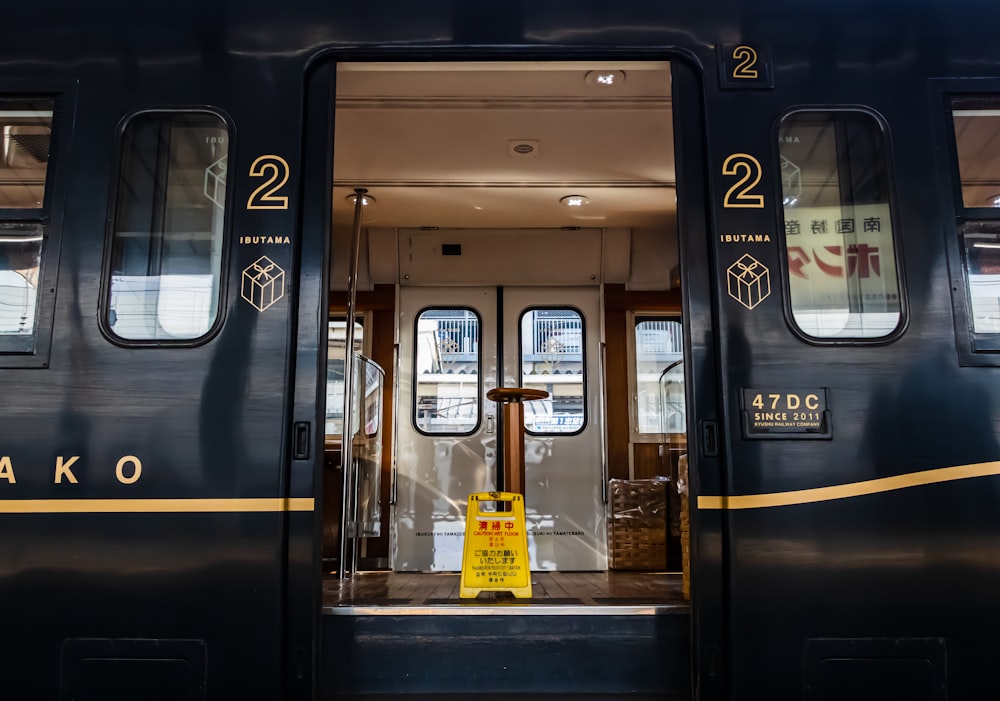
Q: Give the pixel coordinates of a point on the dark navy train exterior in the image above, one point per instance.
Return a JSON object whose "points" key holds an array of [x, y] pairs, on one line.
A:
{"points": [[159, 523]]}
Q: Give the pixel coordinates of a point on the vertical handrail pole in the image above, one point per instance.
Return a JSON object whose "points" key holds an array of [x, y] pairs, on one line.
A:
{"points": [[347, 430]]}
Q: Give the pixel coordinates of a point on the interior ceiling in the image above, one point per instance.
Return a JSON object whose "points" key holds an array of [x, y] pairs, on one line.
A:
{"points": [[433, 144]]}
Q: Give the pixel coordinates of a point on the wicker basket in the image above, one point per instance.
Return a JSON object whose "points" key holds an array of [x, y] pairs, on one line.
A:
{"points": [[637, 533]]}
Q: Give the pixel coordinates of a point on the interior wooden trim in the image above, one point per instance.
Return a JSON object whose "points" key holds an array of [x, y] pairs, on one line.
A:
{"points": [[616, 297], [382, 298]]}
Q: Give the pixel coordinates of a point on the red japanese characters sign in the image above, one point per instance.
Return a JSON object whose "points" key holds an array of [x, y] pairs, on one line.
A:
{"points": [[838, 255]]}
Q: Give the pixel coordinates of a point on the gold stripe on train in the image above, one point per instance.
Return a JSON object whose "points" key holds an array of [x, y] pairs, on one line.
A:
{"points": [[853, 489], [160, 506]]}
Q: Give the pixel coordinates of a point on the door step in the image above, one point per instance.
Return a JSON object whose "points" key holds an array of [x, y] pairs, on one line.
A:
{"points": [[514, 650]]}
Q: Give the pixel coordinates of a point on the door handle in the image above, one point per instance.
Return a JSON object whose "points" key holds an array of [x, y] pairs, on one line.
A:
{"points": [[710, 439], [300, 440]]}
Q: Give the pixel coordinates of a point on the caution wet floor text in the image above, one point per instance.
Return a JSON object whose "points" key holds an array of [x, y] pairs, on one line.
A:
{"points": [[495, 555]]}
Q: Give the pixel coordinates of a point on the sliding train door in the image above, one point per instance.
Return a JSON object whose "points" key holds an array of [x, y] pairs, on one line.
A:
{"points": [[551, 341], [455, 345], [446, 434]]}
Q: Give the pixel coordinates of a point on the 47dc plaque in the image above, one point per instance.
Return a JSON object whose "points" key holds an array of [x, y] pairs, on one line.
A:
{"points": [[785, 413]]}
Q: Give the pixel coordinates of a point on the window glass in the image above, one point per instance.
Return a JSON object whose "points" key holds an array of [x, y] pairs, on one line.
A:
{"points": [[658, 345], [838, 225], [446, 377], [371, 389], [977, 139], [166, 258], [982, 275], [20, 253], [976, 122], [336, 341], [26, 126], [552, 344]]}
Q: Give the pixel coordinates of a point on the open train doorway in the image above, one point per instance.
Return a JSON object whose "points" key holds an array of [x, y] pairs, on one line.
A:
{"points": [[520, 230]]}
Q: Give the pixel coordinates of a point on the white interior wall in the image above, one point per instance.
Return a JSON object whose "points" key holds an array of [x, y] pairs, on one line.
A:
{"points": [[640, 258]]}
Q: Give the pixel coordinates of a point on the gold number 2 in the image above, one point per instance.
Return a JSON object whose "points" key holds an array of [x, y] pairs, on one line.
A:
{"points": [[275, 169], [747, 58], [748, 169]]}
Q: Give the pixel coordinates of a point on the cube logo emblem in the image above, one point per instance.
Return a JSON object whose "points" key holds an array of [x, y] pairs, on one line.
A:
{"points": [[749, 281], [263, 283]]}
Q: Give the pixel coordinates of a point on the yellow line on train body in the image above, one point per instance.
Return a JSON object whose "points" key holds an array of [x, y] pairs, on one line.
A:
{"points": [[853, 489], [136, 506]]}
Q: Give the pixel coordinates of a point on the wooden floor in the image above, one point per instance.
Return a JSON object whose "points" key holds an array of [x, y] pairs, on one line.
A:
{"points": [[549, 589]]}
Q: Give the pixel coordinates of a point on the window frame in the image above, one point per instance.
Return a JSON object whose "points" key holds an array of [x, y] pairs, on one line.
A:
{"points": [[583, 365], [635, 317], [904, 313], [480, 394], [48, 217], [104, 306], [956, 216]]}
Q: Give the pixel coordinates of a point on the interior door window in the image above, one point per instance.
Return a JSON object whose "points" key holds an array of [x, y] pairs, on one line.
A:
{"points": [[446, 378], [552, 359]]}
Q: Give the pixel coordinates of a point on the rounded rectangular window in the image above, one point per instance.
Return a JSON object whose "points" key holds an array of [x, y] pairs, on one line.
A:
{"points": [[446, 378], [552, 359], [166, 253], [841, 258]]}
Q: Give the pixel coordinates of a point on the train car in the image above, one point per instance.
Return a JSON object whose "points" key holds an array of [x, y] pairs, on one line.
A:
{"points": [[707, 286]]}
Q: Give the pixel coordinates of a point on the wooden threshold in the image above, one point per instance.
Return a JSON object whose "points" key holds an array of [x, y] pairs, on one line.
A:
{"points": [[553, 593]]}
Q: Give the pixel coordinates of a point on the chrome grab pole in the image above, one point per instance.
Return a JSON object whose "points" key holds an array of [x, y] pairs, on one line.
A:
{"points": [[347, 430]]}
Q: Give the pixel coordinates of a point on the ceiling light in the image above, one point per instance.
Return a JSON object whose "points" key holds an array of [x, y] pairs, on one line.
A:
{"points": [[365, 199], [574, 201], [605, 79]]}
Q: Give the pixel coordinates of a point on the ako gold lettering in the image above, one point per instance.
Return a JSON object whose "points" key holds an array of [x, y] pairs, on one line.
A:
{"points": [[63, 470], [7, 470], [136, 469], [128, 469]]}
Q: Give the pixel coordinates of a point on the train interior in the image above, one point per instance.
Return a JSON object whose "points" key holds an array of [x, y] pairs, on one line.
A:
{"points": [[517, 229]]}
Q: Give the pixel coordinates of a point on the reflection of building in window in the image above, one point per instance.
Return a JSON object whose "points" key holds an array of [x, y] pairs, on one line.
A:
{"points": [[838, 225], [18, 286], [447, 371], [552, 345]]}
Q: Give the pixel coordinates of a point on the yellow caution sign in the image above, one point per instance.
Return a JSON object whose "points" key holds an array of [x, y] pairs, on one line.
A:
{"points": [[495, 557]]}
